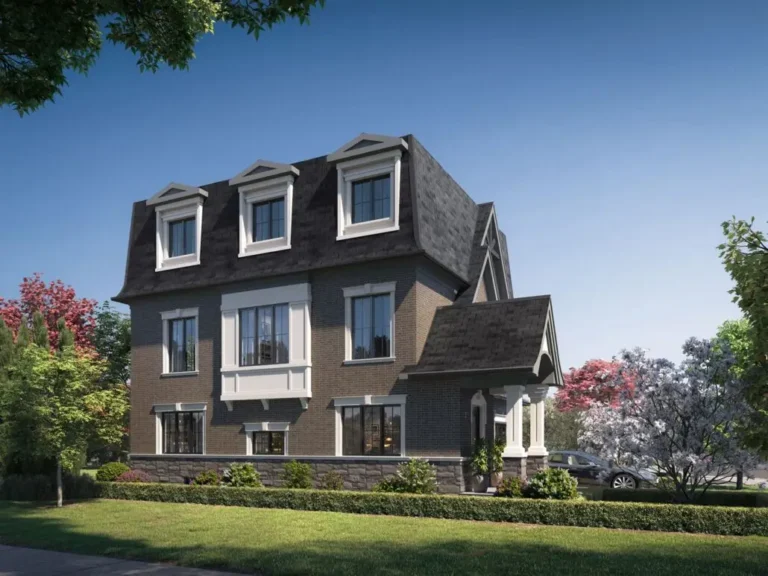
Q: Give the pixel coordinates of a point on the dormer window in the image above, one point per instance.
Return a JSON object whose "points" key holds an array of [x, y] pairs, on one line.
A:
{"points": [[266, 200], [178, 226], [368, 170]]}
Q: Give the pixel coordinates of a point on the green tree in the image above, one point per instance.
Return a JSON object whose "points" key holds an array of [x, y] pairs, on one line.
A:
{"points": [[112, 340], [54, 403], [41, 40], [745, 256], [561, 428]]}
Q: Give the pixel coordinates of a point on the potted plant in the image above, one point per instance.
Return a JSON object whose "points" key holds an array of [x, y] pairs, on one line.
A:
{"points": [[497, 462], [479, 465]]}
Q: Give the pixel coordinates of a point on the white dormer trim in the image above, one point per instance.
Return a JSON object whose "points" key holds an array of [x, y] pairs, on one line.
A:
{"points": [[263, 170], [493, 221], [175, 191], [377, 142], [359, 169], [259, 192], [188, 207]]}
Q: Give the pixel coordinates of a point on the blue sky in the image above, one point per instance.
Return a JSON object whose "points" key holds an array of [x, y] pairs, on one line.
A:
{"points": [[614, 138]]}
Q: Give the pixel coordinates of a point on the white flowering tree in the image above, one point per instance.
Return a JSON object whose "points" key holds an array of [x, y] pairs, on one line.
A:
{"points": [[680, 420]]}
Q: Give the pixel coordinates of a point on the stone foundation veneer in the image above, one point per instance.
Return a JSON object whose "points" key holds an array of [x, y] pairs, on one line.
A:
{"points": [[536, 463], [515, 467], [358, 473]]}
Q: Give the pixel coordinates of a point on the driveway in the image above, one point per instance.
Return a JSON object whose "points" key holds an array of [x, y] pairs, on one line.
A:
{"points": [[29, 562]]}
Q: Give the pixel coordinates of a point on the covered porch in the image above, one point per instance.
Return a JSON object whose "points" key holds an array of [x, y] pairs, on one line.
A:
{"points": [[503, 355]]}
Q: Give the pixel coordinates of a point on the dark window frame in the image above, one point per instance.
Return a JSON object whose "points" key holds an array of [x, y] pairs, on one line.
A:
{"points": [[185, 340], [183, 225], [270, 222], [270, 437], [195, 438], [385, 350], [396, 447], [258, 360], [385, 202]]}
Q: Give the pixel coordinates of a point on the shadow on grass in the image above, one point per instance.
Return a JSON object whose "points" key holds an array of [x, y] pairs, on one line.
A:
{"points": [[558, 551]]}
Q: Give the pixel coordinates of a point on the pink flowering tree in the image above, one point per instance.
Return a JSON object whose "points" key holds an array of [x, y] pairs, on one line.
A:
{"points": [[53, 300], [595, 382]]}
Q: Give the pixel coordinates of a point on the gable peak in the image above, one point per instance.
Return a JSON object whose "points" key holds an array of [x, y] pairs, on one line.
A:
{"points": [[366, 144], [263, 170]]}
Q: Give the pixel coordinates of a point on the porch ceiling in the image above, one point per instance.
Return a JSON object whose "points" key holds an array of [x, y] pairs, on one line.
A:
{"points": [[516, 335]]}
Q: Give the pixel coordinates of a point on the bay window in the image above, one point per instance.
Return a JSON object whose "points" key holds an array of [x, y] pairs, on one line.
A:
{"points": [[264, 335]]}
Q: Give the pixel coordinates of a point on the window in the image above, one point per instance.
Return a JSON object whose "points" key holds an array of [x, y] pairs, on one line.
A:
{"points": [[269, 443], [264, 335], [369, 195], [181, 237], [371, 430], [477, 429], [183, 344], [556, 459], [371, 199], [182, 432], [180, 341], [371, 317], [268, 220]]}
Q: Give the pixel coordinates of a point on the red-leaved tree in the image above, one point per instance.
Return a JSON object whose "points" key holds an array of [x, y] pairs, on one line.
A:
{"points": [[54, 300], [593, 382]]}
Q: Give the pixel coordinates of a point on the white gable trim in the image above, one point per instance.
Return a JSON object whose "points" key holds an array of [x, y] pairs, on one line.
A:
{"points": [[175, 191], [275, 169], [380, 143]]}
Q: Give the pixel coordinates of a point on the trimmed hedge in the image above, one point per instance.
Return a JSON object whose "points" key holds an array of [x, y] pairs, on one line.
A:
{"points": [[42, 488], [741, 498], [627, 515]]}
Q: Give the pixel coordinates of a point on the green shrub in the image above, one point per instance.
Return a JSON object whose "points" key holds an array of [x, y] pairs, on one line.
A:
{"points": [[207, 478], [742, 498], [242, 476], [479, 462], [110, 471], [331, 481], [625, 515], [297, 475], [42, 488], [552, 484], [416, 476], [510, 488], [497, 456]]}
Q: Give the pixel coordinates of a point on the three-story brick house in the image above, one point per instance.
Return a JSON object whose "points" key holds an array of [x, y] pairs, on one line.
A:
{"points": [[350, 311]]}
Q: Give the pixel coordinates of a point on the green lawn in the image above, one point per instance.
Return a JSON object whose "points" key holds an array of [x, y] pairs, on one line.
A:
{"points": [[278, 542]]}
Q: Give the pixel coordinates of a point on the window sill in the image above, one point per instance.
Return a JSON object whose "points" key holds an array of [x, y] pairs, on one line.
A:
{"points": [[174, 265], [179, 374], [372, 232], [387, 360], [254, 249]]}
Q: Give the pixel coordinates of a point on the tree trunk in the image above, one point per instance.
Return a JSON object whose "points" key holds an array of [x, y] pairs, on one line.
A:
{"points": [[740, 480], [59, 489]]}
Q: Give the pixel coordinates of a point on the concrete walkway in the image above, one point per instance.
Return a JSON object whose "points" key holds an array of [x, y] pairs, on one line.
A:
{"points": [[29, 562]]}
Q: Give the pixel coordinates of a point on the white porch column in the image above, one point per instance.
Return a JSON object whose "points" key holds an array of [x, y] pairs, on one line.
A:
{"points": [[514, 447], [537, 393]]}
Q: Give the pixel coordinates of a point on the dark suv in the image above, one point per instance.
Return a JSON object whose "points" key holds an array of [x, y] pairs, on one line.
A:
{"points": [[591, 470]]}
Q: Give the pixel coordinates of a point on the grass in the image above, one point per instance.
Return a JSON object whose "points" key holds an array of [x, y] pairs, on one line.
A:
{"points": [[282, 542]]}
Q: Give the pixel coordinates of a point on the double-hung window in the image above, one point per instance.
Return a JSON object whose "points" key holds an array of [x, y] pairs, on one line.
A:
{"points": [[371, 199], [269, 443], [182, 432], [268, 220], [182, 237], [371, 430], [371, 327], [180, 340], [264, 335]]}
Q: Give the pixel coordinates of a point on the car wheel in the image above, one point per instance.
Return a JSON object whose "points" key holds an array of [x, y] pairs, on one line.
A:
{"points": [[624, 481]]}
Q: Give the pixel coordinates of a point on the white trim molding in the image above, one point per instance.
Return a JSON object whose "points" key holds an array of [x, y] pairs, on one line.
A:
{"points": [[269, 381], [359, 169], [175, 191], [537, 393], [160, 409], [250, 427], [255, 193], [368, 290], [191, 207], [263, 170], [165, 318], [368, 400], [478, 400]]}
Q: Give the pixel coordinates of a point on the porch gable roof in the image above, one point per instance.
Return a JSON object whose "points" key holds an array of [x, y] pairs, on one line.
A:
{"points": [[506, 335]]}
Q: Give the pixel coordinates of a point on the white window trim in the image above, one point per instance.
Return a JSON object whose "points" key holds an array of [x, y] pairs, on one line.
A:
{"points": [[175, 315], [252, 427], [369, 400], [368, 290], [159, 409], [192, 207], [358, 169], [254, 194]]}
